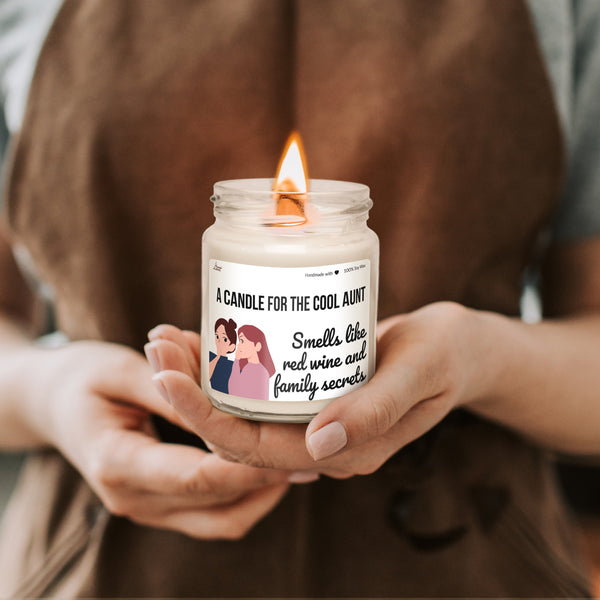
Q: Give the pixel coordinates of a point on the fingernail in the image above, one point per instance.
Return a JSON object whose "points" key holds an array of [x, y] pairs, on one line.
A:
{"points": [[153, 334], [326, 441], [303, 477], [152, 356], [161, 387]]}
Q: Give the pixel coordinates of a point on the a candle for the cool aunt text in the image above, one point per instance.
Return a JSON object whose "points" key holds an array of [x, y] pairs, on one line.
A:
{"points": [[290, 277]]}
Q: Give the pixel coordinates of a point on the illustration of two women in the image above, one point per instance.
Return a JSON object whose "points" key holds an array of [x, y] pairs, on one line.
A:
{"points": [[248, 375]]}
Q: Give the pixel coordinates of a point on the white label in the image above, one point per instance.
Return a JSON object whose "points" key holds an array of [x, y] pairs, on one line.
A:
{"points": [[310, 330]]}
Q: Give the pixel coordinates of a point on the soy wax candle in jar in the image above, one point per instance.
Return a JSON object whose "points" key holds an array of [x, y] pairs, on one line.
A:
{"points": [[289, 300]]}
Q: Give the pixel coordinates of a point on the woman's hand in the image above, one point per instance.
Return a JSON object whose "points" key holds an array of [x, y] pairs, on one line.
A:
{"points": [[93, 402], [428, 364]]}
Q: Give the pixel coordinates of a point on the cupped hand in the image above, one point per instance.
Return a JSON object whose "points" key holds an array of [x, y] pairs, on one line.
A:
{"points": [[96, 407], [426, 366]]}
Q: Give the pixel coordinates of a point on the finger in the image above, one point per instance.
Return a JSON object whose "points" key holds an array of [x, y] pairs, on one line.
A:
{"points": [[219, 473], [229, 522], [135, 461], [385, 325], [370, 411], [128, 378], [167, 355], [193, 340], [368, 457], [179, 337], [269, 445], [419, 420]]}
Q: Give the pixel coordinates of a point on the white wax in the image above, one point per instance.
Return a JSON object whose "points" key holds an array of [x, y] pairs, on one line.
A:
{"points": [[285, 247]]}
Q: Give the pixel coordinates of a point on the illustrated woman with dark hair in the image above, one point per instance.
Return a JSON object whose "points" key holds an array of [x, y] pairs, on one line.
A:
{"points": [[219, 367], [253, 365]]}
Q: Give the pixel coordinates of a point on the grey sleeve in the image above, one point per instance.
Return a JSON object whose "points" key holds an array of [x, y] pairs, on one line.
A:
{"points": [[4, 135], [24, 25], [578, 214]]}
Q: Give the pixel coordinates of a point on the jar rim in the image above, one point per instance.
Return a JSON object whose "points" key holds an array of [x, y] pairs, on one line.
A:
{"points": [[331, 203], [318, 188]]}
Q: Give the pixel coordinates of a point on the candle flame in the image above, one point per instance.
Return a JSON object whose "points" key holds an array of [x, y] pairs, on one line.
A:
{"points": [[291, 182], [291, 172]]}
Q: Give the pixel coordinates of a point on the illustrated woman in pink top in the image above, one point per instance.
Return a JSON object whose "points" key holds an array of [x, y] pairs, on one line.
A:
{"points": [[253, 365]]}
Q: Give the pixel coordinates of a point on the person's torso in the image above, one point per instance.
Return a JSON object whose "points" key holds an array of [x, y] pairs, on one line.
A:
{"points": [[444, 110]]}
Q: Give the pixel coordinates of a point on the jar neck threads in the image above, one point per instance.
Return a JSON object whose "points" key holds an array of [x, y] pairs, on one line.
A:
{"points": [[329, 206]]}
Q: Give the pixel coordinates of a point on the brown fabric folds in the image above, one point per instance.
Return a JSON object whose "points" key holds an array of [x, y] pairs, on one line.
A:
{"points": [[444, 110]]}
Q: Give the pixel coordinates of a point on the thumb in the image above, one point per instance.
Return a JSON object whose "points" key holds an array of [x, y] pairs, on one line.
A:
{"points": [[367, 413]]}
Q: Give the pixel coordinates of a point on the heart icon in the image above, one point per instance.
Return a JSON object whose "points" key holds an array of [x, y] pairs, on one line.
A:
{"points": [[336, 271]]}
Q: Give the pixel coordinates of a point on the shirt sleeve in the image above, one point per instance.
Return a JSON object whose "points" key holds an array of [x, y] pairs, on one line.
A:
{"points": [[578, 214], [24, 25], [3, 144]]}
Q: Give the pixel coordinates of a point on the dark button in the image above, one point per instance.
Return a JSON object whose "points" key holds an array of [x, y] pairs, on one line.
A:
{"points": [[438, 541]]}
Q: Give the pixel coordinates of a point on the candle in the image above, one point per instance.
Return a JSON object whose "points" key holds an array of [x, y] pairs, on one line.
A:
{"points": [[289, 302]]}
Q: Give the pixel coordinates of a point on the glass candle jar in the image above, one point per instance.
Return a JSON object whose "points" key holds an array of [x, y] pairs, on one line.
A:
{"points": [[289, 308]]}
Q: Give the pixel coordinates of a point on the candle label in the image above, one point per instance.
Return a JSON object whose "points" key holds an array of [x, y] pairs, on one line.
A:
{"points": [[288, 333]]}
